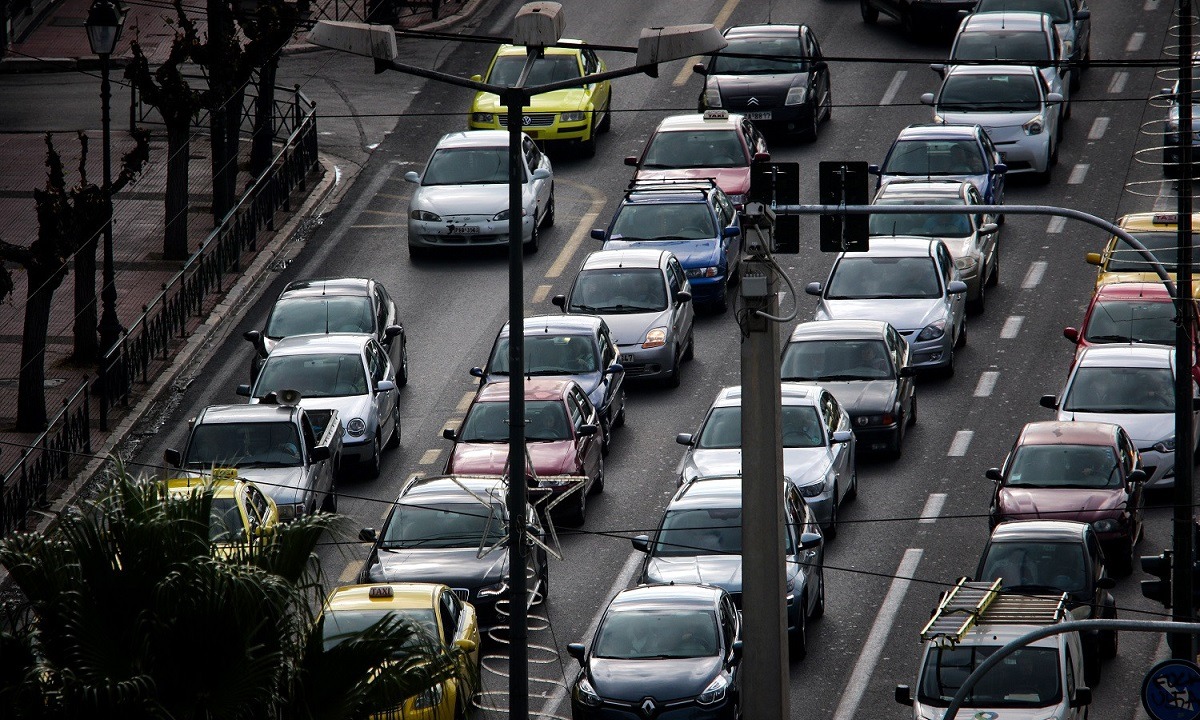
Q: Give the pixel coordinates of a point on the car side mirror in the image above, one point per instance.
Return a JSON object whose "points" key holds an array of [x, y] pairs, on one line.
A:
{"points": [[989, 228], [872, 169], [956, 287], [614, 369], [1093, 258], [597, 234], [926, 98], [1082, 14], [477, 372], [477, 78], [1000, 168], [1083, 697], [1050, 402], [732, 231], [699, 69], [810, 541], [908, 371], [172, 457], [320, 453], [904, 695], [577, 651], [1054, 99], [560, 301], [243, 390], [735, 652], [450, 433], [683, 296], [1106, 583], [392, 331], [631, 160], [413, 177], [467, 645], [994, 474], [253, 337], [761, 157], [587, 430], [1071, 334], [813, 288], [1136, 476], [939, 68], [641, 542], [541, 174], [367, 535], [385, 386], [684, 439], [842, 436]]}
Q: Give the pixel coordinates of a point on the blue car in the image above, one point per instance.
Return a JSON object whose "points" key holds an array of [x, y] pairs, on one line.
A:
{"points": [[946, 152], [695, 220]]}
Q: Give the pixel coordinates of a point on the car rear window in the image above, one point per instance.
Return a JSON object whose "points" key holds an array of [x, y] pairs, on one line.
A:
{"points": [[1056, 9], [934, 157], [992, 92], [664, 221], [328, 314], [860, 278], [1131, 321], [1023, 46], [681, 149], [619, 291]]}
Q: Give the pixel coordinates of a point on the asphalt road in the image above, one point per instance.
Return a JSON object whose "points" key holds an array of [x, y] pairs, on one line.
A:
{"points": [[920, 517]]}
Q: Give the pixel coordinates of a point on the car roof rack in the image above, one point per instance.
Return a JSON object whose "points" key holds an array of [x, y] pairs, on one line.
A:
{"points": [[671, 185], [972, 603]]}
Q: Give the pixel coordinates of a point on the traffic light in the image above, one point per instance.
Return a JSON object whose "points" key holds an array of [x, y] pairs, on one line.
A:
{"points": [[1160, 567]]}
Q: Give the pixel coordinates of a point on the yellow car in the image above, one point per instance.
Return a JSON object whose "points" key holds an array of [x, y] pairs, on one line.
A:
{"points": [[240, 514], [1120, 263], [449, 621], [573, 115]]}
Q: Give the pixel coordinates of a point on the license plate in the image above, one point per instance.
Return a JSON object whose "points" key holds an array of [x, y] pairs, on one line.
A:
{"points": [[463, 230], [626, 357], [761, 115]]}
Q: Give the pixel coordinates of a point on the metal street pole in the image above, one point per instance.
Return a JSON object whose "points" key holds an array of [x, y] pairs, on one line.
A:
{"points": [[110, 325], [1183, 644]]}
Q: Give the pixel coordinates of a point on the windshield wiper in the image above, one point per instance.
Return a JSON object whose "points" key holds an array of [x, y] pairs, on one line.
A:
{"points": [[267, 464], [847, 377], [1115, 338]]}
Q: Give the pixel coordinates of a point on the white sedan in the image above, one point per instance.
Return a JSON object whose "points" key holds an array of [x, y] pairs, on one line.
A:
{"points": [[462, 197]]}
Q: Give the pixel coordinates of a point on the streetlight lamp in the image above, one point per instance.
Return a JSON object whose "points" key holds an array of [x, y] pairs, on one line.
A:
{"points": [[104, 22], [538, 25]]}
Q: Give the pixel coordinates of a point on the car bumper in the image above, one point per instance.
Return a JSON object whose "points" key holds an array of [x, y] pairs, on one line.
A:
{"points": [[681, 710], [875, 438], [556, 131], [1160, 469], [822, 507], [929, 354], [357, 449], [647, 363], [1030, 153], [436, 234], [973, 279], [941, 13], [707, 290]]}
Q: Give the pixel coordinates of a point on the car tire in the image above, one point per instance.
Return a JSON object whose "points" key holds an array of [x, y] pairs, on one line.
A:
{"points": [[869, 14], [531, 247], [544, 580], [619, 418], [1092, 669], [1123, 560], [1109, 640], [375, 462], [819, 608], [813, 131], [606, 124], [961, 340], [402, 371], [852, 491], [828, 103], [598, 483], [579, 513], [587, 148], [994, 276], [689, 352], [1075, 80], [394, 438], [798, 638], [548, 216], [330, 503], [896, 450], [948, 371], [673, 379], [417, 254], [721, 304], [976, 306], [912, 411], [830, 531]]}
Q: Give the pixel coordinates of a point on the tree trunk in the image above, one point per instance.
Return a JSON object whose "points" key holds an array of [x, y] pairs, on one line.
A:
{"points": [[175, 242], [233, 143], [31, 387], [263, 146], [87, 344]]}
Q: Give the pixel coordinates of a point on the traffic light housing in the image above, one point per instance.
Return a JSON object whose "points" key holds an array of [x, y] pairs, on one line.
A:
{"points": [[1160, 567]]}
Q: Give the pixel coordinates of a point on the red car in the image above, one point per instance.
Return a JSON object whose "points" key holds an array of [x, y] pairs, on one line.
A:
{"points": [[1084, 471], [1138, 312], [561, 432], [713, 144]]}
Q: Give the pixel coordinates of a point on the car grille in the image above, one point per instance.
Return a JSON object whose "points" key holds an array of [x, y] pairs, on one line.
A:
{"points": [[462, 594], [632, 369], [530, 120], [479, 239]]}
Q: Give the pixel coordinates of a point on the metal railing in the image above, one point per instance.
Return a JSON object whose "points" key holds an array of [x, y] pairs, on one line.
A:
{"points": [[285, 119]]}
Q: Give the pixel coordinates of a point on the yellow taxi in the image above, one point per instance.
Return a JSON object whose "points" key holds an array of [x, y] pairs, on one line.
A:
{"points": [[572, 115], [241, 514], [1118, 262], [448, 620]]}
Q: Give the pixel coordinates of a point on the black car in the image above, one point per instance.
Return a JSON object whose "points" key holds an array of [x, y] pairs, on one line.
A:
{"points": [[785, 84], [454, 530], [865, 364], [1052, 557], [673, 650], [333, 305], [918, 17]]}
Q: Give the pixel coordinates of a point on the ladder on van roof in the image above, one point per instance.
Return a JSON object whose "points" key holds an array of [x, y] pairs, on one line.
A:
{"points": [[971, 603]]}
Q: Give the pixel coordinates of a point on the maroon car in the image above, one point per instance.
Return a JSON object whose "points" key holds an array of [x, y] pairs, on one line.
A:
{"points": [[561, 432], [1085, 471]]}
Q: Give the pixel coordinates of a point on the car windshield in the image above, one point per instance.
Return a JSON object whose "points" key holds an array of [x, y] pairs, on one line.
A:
{"points": [[619, 291], [1026, 679], [723, 428], [1162, 245], [1018, 46], [550, 355], [1136, 321], [703, 531], [935, 157], [1056, 9], [545, 421], [431, 524], [861, 278], [1121, 390], [468, 166], [664, 221], [317, 315], [921, 224], [1038, 565], [338, 626], [551, 67], [225, 521], [774, 55], [641, 634], [996, 92], [315, 376], [1053, 466], [819, 360], [695, 149], [270, 444]]}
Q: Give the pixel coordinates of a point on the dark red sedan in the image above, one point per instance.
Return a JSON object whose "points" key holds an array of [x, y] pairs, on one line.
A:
{"points": [[1084, 471], [561, 431]]}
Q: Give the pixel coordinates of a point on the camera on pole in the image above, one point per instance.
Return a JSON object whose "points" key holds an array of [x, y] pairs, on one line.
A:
{"points": [[842, 183]]}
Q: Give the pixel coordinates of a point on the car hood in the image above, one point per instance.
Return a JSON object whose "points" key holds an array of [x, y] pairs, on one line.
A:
{"points": [[463, 199], [661, 679], [1144, 429], [769, 89], [553, 101], [1002, 713], [691, 253], [284, 485], [548, 458], [991, 120], [801, 465], [456, 567], [630, 329], [904, 315], [348, 408], [734, 181], [980, 181], [864, 396], [1083, 504], [724, 571]]}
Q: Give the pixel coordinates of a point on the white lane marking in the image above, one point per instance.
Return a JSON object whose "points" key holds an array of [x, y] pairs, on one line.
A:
{"points": [[1056, 224], [539, 295], [873, 648], [1150, 6], [1036, 270], [1012, 326], [933, 508], [350, 572], [960, 443], [1135, 43], [582, 229], [1078, 173], [987, 383], [430, 457], [890, 94], [719, 21], [624, 577], [1117, 85], [1099, 127]]}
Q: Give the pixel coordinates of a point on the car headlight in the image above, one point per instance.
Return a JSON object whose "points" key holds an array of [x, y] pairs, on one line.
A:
{"points": [[573, 116], [1034, 126], [737, 198], [867, 420], [932, 331], [712, 98], [812, 489], [425, 215], [655, 338], [503, 215], [488, 118], [795, 96], [428, 699], [703, 272], [290, 511], [965, 263], [938, 119], [715, 692], [494, 590], [1106, 525], [1165, 446], [356, 427], [586, 694]]}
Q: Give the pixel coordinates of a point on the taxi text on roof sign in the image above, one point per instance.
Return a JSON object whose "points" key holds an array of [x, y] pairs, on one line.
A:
{"points": [[716, 114], [1166, 218], [381, 591]]}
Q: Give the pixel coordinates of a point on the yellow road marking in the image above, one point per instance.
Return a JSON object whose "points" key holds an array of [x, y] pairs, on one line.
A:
{"points": [[389, 213], [350, 573], [581, 230], [392, 196], [465, 402], [539, 295], [430, 457], [367, 227], [722, 17]]}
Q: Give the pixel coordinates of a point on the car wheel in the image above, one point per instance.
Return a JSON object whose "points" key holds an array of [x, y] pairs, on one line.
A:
{"points": [[580, 512], [961, 340], [548, 218], [598, 483], [689, 351], [417, 254], [948, 371], [721, 304], [674, 378], [1124, 560], [1091, 669], [532, 246], [1075, 81], [587, 148], [977, 305], [819, 608], [798, 638], [852, 491], [1054, 148], [912, 410], [869, 14], [1109, 640], [994, 276], [394, 438], [402, 371], [812, 131], [897, 445], [329, 504], [374, 463], [619, 418], [544, 581], [828, 103], [831, 530], [605, 435], [606, 124]]}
